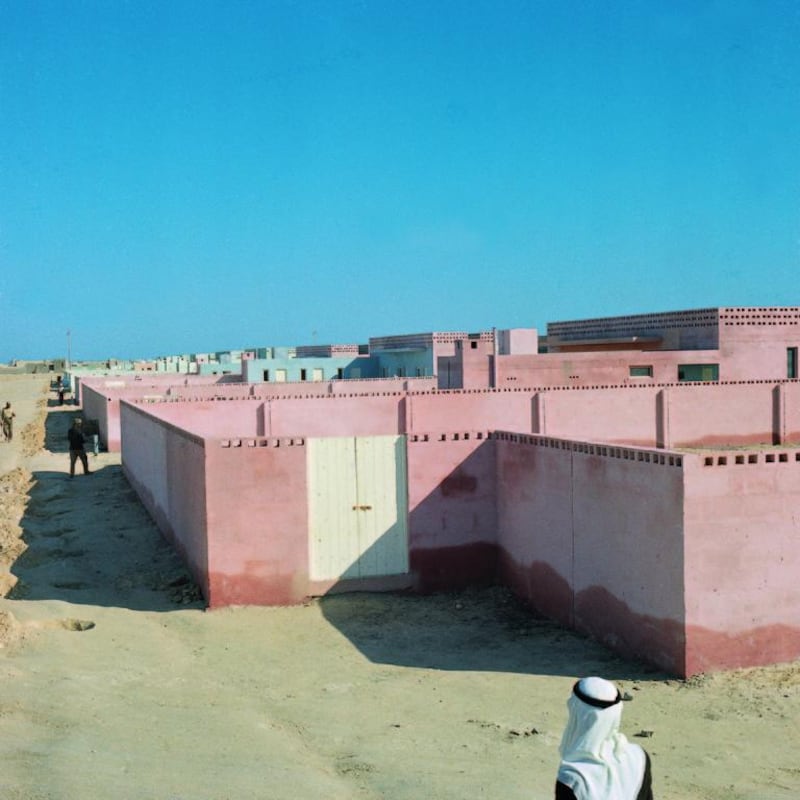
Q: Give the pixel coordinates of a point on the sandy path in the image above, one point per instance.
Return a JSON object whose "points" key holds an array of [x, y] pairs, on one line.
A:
{"points": [[116, 684]]}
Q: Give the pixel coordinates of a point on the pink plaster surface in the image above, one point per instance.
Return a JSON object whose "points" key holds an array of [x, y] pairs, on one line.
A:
{"points": [[591, 536], [534, 509], [742, 559], [210, 418], [258, 545], [622, 415], [720, 414], [612, 368], [166, 468], [452, 517], [469, 410], [100, 397], [377, 414]]}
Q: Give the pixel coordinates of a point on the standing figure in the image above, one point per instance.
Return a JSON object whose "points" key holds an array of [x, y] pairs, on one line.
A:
{"points": [[597, 761], [60, 388], [7, 417], [76, 444]]}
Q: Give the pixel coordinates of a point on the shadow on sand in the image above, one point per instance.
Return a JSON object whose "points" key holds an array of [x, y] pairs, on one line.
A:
{"points": [[90, 541], [484, 630]]}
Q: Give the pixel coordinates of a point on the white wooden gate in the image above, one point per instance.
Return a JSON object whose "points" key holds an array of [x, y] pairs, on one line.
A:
{"points": [[358, 507]]}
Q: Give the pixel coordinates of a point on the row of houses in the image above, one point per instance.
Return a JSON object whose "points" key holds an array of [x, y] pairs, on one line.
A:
{"points": [[702, 345], [636, 482]]}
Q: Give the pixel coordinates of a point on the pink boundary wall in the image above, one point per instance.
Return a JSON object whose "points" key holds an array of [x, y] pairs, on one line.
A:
{"points": [[591, 536], [254, 549], [100, 396], [452, 512], [742, 562], [663, 415], [548, 515], [166, 467], [688, 561]]}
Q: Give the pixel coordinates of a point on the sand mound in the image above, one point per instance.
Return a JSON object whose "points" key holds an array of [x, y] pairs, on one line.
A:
{"points": [[14, 488]]}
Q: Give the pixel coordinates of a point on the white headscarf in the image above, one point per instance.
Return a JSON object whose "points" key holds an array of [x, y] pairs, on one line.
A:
{"points": [[597, 761]]}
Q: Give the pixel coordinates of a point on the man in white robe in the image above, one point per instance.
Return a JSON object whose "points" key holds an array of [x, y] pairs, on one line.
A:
{"points": [[597, 761]]}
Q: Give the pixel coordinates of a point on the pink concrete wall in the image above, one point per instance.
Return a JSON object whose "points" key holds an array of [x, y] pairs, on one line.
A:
{"points": [[452, 511], [787, 398], [534, 528], [100, 397], [95, 406], [753, 342], [593, 368], [166, 467], [591, 535], [710, 414], [101, 403], [629, 561], [364, 386], [227, 391], [475, 364], [337, 416], [258, 543], [673, 415], [742, 558], [623, 415], [211, 418], [469, 410]]}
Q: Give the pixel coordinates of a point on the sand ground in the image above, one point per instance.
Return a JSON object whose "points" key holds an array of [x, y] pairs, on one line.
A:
{"points": [[117, 684]]}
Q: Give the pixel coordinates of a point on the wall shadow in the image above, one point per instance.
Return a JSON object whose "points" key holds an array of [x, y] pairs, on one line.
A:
{"points": [[464, 620], [90, 541], [56, 424], [479, 630]]}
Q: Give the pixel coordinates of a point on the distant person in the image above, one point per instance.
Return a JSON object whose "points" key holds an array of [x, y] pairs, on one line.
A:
{"points": [[7, 417], [76, 447], [597, 761], [60, 389]]}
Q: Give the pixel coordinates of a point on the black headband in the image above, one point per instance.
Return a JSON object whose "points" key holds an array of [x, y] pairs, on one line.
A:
{"points": [[593, 701]]}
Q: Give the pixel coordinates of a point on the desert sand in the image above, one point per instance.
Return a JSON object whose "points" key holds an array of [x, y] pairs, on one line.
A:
{"points": [[116, 683]]}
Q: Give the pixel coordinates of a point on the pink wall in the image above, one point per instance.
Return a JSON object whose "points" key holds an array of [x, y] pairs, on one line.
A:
{"points": [[591, 536], [470, 410], [211, 418], [100, 397], [623, 415], [646, 415], [337, 416], [534, 511], [628, 568], [719, 414], [742, 558], [674, 415], [258, 543], [601, 367], [753, 342], [452, 509], [101, 403], [366, 386], [165, 466], [228, 391], [787, 399]]}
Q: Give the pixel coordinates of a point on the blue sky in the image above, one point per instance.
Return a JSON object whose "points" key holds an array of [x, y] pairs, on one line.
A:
{"points": [[193, 176]]}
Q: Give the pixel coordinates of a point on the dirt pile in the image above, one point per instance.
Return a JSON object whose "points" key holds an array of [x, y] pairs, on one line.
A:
{"points": [[14, 487]]}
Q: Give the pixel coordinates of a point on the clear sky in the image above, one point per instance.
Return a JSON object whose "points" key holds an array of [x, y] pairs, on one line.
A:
{"points": [[192, 176]]}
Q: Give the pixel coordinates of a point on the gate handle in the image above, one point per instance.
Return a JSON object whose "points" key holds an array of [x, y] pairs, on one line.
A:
{"points": [[362, 508]]}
